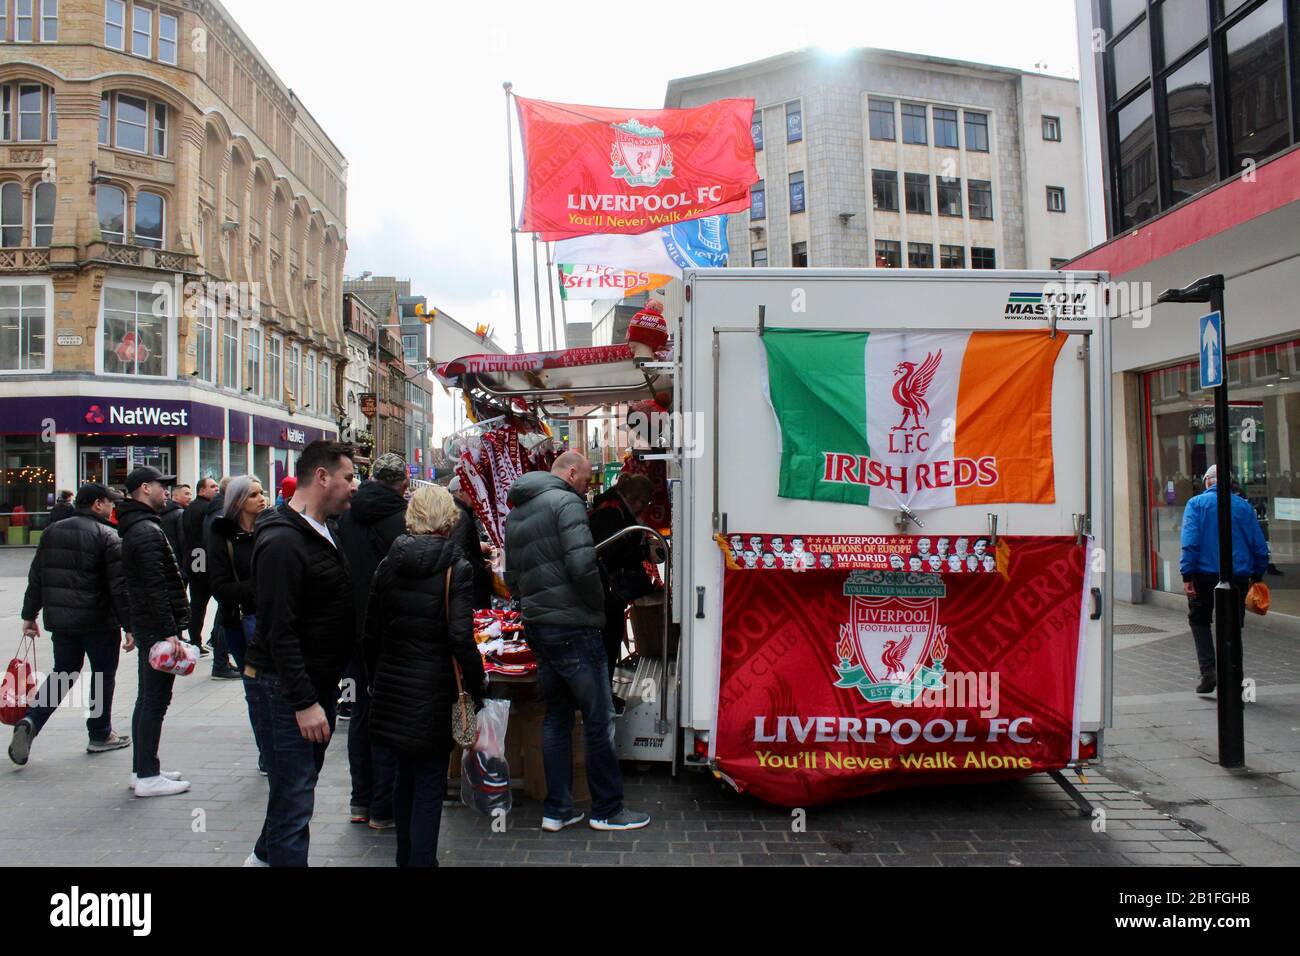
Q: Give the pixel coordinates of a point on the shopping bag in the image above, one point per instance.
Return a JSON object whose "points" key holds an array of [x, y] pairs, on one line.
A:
{"points": [[162, 658], [18, 686], [1257, 598], [484, 773]]}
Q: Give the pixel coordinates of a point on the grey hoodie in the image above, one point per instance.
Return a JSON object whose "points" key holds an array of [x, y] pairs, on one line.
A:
{"points": [[550, 559]]}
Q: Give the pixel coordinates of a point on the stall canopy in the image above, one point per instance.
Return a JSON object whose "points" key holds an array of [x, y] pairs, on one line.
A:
{"points": [[558, 381]]}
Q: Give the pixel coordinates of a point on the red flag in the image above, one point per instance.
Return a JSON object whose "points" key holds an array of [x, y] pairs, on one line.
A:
{"points": [[595, 170]]}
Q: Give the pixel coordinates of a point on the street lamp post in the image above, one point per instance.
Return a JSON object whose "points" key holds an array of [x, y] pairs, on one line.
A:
{"points": [[1227, 625]]}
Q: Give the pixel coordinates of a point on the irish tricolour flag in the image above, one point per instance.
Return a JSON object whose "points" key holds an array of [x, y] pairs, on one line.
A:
{"points": [[926, 420]]}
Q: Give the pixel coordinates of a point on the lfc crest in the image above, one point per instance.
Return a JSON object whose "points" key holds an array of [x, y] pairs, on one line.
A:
{"points": [[640, 156], [891, 648]]}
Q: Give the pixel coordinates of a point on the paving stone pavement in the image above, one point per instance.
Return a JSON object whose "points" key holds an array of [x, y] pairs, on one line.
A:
{"points": [[70, 808], [1164, 740]]}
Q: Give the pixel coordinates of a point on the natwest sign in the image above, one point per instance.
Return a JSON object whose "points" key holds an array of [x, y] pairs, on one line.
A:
{"points": [[294, 436], [140, 415]]}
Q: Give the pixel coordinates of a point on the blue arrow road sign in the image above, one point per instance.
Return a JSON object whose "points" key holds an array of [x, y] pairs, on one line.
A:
{"points": [[1211, 349]]}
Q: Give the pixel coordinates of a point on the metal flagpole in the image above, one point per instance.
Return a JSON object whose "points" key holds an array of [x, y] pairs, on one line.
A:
{"points": [[514, 245], [537, 297], [550, 293]]}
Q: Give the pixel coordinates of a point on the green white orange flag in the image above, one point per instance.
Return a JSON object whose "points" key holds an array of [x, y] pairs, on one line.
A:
{"points": [[926, 420]]}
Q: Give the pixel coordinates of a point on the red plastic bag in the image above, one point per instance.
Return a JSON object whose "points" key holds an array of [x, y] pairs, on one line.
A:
{"points": [[18, 686], [181, 662], [1258, 598]]}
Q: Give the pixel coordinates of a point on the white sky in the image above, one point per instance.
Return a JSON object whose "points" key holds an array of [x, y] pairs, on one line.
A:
{"points": [[411, 93]]}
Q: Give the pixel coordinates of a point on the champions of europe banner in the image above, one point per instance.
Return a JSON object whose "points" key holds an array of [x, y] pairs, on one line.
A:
{"points": [[835, 682], [921, 419], [597, 170]]}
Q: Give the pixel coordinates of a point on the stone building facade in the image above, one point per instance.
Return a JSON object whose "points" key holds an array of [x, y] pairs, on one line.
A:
{"points": [[171, 250], [877, 158]]}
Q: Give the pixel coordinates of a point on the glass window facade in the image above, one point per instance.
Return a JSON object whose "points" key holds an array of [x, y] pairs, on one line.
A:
{"points": [[1264, 423], [1195, 94], [881, 118], [914, 123], [884, 189], [26, 487], [888, 254], [135, 339], [23, 343]]}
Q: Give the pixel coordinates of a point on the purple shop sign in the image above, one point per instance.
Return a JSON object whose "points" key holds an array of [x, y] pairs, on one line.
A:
{"points": [[87, 415], [280, 434], [239, 427]]}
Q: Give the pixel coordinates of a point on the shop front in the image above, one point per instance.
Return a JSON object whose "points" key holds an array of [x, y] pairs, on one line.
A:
{"points": [[276, 445], [1264, 424]]}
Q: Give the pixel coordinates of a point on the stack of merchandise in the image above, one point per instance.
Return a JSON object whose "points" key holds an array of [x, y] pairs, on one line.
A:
{"points": [[487, 469], [499, 635]]}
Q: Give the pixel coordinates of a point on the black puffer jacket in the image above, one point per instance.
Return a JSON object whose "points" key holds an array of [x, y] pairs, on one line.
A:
{"points": [[231, 584], [76, 577], [198, 515], [306, 625], [367, 530], [64, 509], [550, 559], [409, 646], [159, 605], [173, 515]]}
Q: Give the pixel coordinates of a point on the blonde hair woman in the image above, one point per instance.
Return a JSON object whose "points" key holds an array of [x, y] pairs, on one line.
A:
{"points": [[420, 618]]}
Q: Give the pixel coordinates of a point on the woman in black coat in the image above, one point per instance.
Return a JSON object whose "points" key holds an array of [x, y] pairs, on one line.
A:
{"points": [[229, 549], [412, 635]]}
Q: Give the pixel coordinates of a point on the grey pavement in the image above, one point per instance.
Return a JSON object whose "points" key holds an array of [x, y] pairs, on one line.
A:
{"points": [[70, 808]]}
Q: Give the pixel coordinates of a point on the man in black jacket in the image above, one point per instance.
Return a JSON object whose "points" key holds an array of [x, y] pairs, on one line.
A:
{"points": [[76, 578], [160, 611], [195, 559], [305, 636], [366, 531], [64, 509]]}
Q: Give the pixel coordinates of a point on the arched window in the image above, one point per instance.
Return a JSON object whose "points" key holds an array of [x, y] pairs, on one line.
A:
{"points": [[150, 209], [11, 215], [112, 213], [43, 214]]}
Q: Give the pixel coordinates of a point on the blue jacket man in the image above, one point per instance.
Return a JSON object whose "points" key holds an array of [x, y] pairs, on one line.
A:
{"points": [[1200, 565]]}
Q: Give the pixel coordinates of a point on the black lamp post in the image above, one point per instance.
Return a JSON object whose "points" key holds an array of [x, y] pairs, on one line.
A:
{"points": [[1227, 626]]}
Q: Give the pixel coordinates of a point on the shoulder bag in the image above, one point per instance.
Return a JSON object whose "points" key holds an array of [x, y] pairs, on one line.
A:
{"points": [[463, 725]]}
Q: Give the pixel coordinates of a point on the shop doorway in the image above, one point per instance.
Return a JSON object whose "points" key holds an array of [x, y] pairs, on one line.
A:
{"points": [[110, 464]]}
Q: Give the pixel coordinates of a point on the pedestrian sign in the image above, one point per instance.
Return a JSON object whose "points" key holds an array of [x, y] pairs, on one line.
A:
{"points": [[1210, 345]]}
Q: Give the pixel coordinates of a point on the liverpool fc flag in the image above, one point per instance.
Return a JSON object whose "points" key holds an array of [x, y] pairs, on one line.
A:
{"points": [[615, 171], [925, 420]]}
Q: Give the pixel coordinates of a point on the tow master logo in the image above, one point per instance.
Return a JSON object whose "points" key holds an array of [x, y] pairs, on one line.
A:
{"points": [[640, 156], [1066, 305]]}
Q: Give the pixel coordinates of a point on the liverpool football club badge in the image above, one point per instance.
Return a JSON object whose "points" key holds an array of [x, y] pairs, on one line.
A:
{"points": [[640, 156], [892, 648]]}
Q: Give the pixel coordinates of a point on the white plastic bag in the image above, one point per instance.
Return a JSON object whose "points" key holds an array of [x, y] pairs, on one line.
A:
{"points": [[484, 773]]}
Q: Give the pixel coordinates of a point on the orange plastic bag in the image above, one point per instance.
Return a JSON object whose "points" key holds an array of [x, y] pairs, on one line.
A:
{"points": [[1257, 598]]}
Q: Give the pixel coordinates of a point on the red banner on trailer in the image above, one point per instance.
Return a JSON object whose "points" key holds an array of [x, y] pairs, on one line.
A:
{"points": [[592, 170], [840, 681]]}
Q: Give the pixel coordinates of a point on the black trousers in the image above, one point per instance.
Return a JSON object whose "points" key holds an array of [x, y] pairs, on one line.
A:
{"points": [[151, 702], [1200, 614], [70, 652], [200, 595]]}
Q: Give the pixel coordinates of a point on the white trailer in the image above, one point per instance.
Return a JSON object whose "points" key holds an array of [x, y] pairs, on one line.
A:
{"points": [[730, 480]]}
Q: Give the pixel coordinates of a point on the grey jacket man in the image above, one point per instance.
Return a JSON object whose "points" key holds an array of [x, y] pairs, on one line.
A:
{"points": [[550, 559]]}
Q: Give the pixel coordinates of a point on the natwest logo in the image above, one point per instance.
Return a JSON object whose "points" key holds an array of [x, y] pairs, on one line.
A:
{"points": [[139, 415], [294, 436]]}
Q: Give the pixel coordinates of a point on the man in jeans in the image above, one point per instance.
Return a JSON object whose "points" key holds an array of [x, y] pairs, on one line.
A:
{"points": [[76, 577], [305, 636], [160, 611], [551, 568], [1199, 564]]}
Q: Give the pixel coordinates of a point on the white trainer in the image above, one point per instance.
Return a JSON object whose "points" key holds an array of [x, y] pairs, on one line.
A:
{"points": [[169, 774], [254, 861], [556, 824], [160, 786]]}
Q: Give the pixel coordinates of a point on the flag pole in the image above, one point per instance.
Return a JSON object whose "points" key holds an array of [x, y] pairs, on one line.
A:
{"points": [[550, 293], [537, 298], [514, 245]]}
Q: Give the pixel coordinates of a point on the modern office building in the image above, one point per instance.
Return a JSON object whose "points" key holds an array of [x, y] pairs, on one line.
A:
{"points": [[172, 237], [878, 158], [1194, 121]]}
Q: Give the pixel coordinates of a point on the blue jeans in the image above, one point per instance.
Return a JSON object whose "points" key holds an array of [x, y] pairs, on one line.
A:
{"points": [[151, 702], [573, 670], [70, 652], [419, 787], [237, 638], [293, 765], [370, 765]]}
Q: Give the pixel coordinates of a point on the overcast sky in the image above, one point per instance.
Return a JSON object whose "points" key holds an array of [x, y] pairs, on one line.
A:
{"points": [[411, 93]]}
